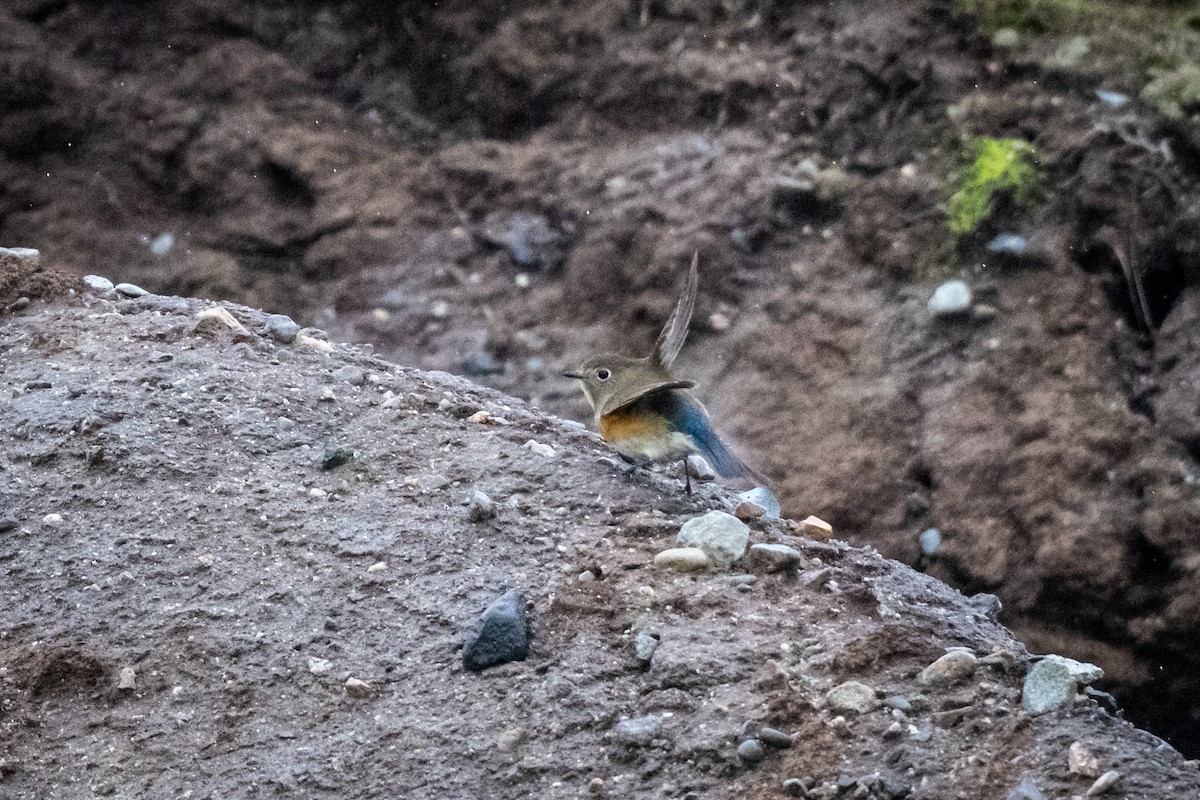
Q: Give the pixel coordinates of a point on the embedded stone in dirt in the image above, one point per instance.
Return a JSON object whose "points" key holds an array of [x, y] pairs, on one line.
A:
{"points": [[722, 537], [500, 636]]}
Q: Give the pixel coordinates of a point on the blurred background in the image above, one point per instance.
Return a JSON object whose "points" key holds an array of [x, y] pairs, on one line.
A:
{"points": [[948, 248]]}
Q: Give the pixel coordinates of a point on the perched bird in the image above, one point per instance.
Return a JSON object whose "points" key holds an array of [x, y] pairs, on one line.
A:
{"points": [[645, 413]]}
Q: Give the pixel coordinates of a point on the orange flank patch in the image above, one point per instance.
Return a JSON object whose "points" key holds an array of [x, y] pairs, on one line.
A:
{"points": [[621, 426]]}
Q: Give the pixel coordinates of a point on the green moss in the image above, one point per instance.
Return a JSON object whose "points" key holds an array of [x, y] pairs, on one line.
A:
{"points": [[1173, 91], [1036, 16], [993, 167]]}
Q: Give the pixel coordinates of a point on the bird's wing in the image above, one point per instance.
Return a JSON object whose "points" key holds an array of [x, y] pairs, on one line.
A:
{"points": [[621, 399], [671, 338]]}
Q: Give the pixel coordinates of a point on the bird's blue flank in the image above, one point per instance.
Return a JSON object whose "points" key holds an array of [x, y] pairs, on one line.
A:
{"points": [[690, 419]]}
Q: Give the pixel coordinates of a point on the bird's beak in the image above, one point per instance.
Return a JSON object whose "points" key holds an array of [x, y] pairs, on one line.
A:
{"points": [[578, 375]]}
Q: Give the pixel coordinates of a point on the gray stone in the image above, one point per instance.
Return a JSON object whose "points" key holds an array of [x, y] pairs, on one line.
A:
{"points": [[795, 787], [159, 357], [644, 645], [1009, 244], [21, 253], [282, 328], [746, 510], [772, 737], [751, 751], [930, 540], [762, 496], [480, 507], [500, 636], [1053, 682], [127, 680], [898, 702], [335, 457], [723, 537], [130, 290], [1026, 790], [775, 557], [98, 282], [358, 688], [954, 667], [350, 374], [852, 696], [700, 469], [639, 732], [952, 297], [1103, 783], [683, 559]]}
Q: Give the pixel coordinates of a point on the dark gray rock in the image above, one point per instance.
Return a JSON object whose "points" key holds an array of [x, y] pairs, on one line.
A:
{"points": [[639, 732], [772, 737], [480, 507], [751, 751], [500, 636], [282, 328]]}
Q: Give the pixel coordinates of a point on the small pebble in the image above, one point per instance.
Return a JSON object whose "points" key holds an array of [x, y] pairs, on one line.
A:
{"points": [[480, 507], [213, 321], [206, 559], [1103, 783], [52, 519], [816, 528], [773, 737], [1081, 761], [1113, 99], [775, 557], [852, 696], [130, 290], [795, 787], [723, 537], [954, 667], [282, 328], [319, 665], [501, 635], [1053, 682], [683, 559], [762, 496], [98, 282], [645, 645], [286, 424], [751, 751], [159, 357], [747, 510], [544, 450], [357, 688], [587, 576], [20, 303], [1008, 243], [127, 679], [349, 374], [314, 344], [21, 253], [335, 457], [930, 540], [951, 298], [700, 469], [639, 732], [378, 566]]}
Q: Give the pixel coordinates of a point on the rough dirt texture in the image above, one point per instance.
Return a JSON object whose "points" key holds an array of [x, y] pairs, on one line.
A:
{"points": [[189, 578], [497, 189]]}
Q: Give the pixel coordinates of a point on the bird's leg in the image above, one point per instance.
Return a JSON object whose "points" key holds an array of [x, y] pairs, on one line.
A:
{"points": [[687, 477]]}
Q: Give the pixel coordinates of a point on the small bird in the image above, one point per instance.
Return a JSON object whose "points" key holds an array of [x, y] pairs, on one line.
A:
{"points": [[645, 413]]}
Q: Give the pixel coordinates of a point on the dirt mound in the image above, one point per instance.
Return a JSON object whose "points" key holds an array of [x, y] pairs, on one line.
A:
{"points": [[209, 532], [496, 189]]}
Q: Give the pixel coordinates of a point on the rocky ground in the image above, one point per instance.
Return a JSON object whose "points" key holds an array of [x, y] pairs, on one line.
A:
{"points": [[496, 189], [239, 560]]}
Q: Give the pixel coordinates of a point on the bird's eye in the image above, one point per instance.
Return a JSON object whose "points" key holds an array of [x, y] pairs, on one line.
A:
{"points": [[603, 374]]}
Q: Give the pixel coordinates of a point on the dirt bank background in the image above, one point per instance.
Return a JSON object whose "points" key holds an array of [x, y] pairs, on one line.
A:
{"points": [[496, 189]]}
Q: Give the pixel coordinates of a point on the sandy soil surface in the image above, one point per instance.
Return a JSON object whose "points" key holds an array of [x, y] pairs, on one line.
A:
{"points": [[497, 189]]}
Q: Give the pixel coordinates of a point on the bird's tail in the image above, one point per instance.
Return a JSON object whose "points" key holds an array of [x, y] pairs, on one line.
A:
{"points": [[717, 453]]}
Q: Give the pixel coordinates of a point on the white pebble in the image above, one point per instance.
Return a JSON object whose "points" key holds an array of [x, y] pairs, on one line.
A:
{"points": [[952, 297]]}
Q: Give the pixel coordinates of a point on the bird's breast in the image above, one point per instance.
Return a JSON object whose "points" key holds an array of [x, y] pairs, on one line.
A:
{"points": [[644, 435]]}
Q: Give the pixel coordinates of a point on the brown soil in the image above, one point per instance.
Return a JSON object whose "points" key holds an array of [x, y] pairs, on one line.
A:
{"points": [[172, 519], [497, 189]]}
